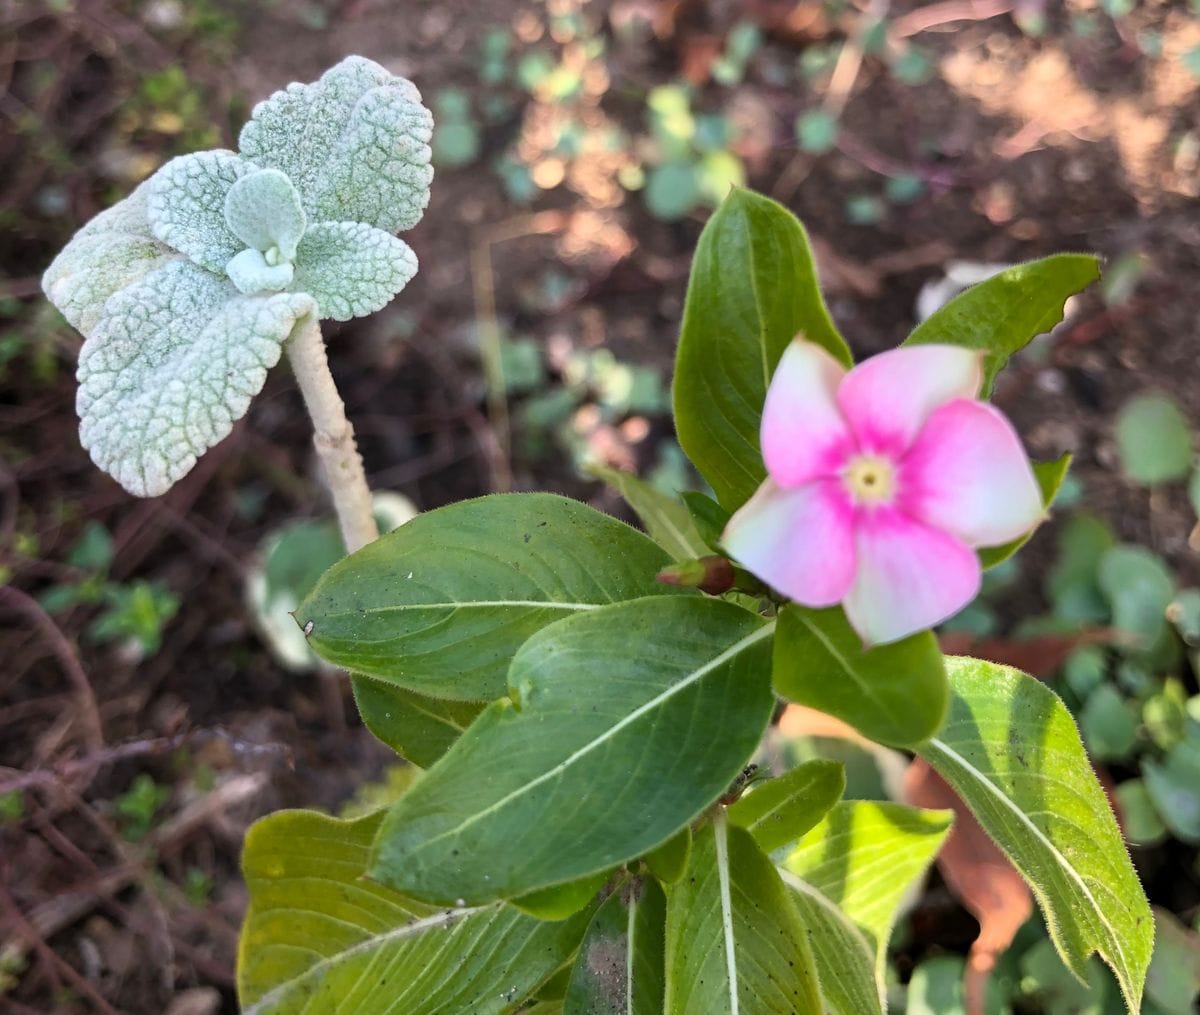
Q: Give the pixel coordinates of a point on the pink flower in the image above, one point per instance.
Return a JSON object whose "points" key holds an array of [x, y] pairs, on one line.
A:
{"points": [[881, 481]]}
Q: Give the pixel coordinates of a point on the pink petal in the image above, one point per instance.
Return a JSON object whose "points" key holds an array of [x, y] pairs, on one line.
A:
{"points": [[968, 474], [887, 398], [910, 576], [803, 433], [799, 541]]}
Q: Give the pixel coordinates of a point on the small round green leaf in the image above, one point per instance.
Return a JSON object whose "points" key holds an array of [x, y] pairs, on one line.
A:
{"points": [[1154, 440]]}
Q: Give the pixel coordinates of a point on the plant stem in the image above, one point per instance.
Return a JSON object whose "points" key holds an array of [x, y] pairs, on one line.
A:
{"points": [[333, 436]]}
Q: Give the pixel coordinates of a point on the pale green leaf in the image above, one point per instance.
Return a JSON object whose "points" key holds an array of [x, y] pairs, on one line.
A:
{"points": [[171, 365], [1154, 440], [629, 721], [352, 269], [1005, 313], [844, 957], [1012, 752], [417, 606], [114, 250], [668, 861], [936, 987], [895, 694], [619, 968], [251, 273], [186, 206], [753, 289], [262, 209], [666, 518], [1174, 786], [320, 936], [560, 901], [355, 144], [782, 809], [418, 728], [864, 857], [735, 942]]}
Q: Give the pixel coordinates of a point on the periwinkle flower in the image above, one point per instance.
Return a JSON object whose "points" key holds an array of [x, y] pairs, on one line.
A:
{"points": [[187, 289], [882, 481]]}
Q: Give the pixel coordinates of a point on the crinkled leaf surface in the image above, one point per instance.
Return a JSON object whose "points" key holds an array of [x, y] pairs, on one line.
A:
{"points": [[355, 143], [619, 968], [186, 206], [250, 272], [782, 809], [1012, 752], [320, 937], [262, 209], [753, 288], [628, 722], [418, 728], [735, 942], [172, 363], [442, 604], [894, 694], [1004, 314], [864, 857], [114, 250], [352, 269]]}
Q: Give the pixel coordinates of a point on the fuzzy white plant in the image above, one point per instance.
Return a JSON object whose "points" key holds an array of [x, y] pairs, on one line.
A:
{"points": [[189, 289]]}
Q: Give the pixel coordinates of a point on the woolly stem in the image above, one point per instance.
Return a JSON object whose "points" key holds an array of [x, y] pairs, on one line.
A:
{"points": [[333, 436]]}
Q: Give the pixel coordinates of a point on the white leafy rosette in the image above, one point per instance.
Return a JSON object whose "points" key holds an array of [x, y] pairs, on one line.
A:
{"points": [[187, 289]]}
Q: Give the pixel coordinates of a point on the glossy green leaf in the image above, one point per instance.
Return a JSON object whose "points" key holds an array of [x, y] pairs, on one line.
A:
{"points": [[619, 968], [668, 861], [844, 957], [442, 604], [1012, 752], [320, 936], [1004, 314], [1140, 818], [735, 942], [418, 728], [753, 288], [781, 810], [1050, 476], [1154, 441], [665, 517], [628, 722], [894, 694], [1174, 978], [864, 857]]}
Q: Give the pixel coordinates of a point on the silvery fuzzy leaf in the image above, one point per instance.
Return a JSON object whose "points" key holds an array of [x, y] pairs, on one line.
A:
{"points": [[355, 144], [251, 273], [112, 251], [263, 210], [187, 206], [172, 363], [352, 269]]}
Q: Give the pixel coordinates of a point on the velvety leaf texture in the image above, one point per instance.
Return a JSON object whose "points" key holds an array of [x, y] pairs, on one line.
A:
{"points": [[352, 269], [1011, 750], [320, 937], [187, 206], [628, 722], [442, 604], [753, 288]]}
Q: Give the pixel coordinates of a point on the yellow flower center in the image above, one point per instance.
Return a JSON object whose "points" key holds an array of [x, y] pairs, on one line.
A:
{"points": [[870, 479]]}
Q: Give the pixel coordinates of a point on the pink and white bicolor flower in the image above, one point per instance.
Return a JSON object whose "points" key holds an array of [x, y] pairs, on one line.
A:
{"points": [[881, 481]]}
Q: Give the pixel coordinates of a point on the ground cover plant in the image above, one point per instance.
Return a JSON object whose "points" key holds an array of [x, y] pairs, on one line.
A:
{"points": [[546, 365]]}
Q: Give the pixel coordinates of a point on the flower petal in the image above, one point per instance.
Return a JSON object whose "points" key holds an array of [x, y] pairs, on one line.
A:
{"points": [[910, 576], [803, 433], [887, 398], [799, 541], [968, 474]]}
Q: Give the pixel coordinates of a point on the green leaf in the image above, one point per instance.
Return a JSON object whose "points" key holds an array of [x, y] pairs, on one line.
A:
{"points": [[894, 694], [418, 728], [320, 936], [672, 190], [1050, 476], [619, 968], [628, 722], [753, 288], [1139, 587], [1004, 314], [708, 517], [1153, 440], [781, 810], [560, 901], [442, 604], [1011, 751], [1174, 786], [666, 518], [864, 857], [352, 269], [936, 987], [1108, 726], [185, 206], [1072, 585], [817, 131], [734, 938], [844, 957], [668, 861]]}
